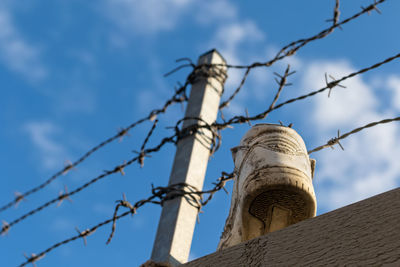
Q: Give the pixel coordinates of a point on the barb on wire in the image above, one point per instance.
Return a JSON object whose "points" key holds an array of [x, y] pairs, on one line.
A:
{"points": [[84, 234], [179, 97], [335, 140], [63, 195], [262, 115], [121, 133], [332, 83], [120, 168], [18, 198], [121, 203], [158, 196], [67, 167], [142, 154], [247, 115], [282, 83], [371, 8], [33, 258], [336, 14], [291, 48], [5, 228]]}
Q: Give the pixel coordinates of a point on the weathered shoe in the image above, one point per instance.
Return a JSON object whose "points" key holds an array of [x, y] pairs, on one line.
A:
{"points": [[273, 184]]}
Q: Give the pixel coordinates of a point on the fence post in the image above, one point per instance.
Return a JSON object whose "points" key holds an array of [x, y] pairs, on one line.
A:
{"points": [[178, 217]]}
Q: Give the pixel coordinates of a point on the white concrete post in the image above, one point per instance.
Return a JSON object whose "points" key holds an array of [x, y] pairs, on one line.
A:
{"points": [[178, 217]]}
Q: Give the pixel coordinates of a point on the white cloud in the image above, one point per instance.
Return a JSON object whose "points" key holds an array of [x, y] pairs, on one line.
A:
{"points": [[153, 16], [16, 53], [393, 83], [344, 107], [145, 17], [369, 164], [229, 39], [215, 10], [42, 137]]}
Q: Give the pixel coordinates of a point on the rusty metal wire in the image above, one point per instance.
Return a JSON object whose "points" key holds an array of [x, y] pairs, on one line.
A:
{"points": [[141, 153], [196, 128], [329, 86], [159, 196], [191, 194], [121, 203], [192, 129], [118, 168], [336, 140], [282, 83], [293, 47], [33, 258], [189, 64], [199, 71], [178, 97], [296, 45]]}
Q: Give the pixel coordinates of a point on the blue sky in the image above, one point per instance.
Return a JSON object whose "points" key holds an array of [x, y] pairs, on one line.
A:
{"points": [[73, 72]]}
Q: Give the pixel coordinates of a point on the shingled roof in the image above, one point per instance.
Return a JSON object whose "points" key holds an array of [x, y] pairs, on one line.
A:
{"points": [[362, 234]]}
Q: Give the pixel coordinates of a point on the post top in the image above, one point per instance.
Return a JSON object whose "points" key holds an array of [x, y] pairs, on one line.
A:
{"points": [[207, 56]]}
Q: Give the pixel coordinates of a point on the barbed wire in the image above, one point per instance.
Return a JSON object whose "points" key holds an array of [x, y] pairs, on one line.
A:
{"points": [[196, 129], [161, 194], [339, 137], [158, 196], [178, 97], [191, 194], [119, 168], [297, 45], [329, 86], [202, 73], [180, 94], [199, 72]]}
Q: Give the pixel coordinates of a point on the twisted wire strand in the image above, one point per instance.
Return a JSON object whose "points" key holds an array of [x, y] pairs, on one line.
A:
{"points": [[297, 45], [161, 194], [193, 129], [178, 97], [336, 140], [158, 196], [180, 94], [330, 85]]}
